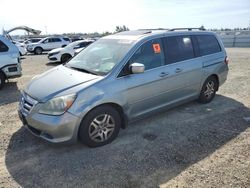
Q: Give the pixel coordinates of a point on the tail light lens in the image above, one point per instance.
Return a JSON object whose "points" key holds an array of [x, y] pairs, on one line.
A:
{"points": [[226, 60]]}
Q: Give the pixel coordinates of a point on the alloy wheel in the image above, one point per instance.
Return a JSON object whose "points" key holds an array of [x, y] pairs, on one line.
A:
{"points": [[210, 88], [101, 128]]}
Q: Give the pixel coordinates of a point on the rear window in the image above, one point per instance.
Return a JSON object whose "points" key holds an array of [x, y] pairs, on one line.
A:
{"points": [[178, 48], [208, 44], [3, 47]]}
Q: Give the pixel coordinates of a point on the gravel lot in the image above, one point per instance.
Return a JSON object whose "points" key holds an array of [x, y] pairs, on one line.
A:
{"points": [[192, 145]]}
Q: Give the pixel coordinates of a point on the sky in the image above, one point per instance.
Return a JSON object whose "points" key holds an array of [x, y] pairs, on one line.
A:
{"points": [[60, 16]]}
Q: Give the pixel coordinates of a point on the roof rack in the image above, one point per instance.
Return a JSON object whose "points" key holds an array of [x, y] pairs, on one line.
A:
{"points": [[202, 28], [152, 29], [189, 28]]}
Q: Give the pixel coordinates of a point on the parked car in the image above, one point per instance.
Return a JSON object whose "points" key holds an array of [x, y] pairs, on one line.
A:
{"points": [[122, 78], [10, 65], [64, 54], [32, 40], [47, 44], [21, 47]]}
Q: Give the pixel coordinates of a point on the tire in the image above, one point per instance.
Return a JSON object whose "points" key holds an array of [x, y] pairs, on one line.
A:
{"points": [[38, 50], [2, 80], [208, 90], [101, 122], [65, 58]]}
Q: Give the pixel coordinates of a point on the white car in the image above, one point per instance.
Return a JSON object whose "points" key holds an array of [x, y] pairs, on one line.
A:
{"points": [[21, 47], [47, 44], [10, 65], [30, 41], [64, 54]]}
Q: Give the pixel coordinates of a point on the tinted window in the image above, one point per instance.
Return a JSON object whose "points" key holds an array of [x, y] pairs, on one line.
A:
{"points": [[56, 40], [35, 40], [208, 44], [84, 44], [66, 39], [178, 48], [3, 47], [150, 54]]}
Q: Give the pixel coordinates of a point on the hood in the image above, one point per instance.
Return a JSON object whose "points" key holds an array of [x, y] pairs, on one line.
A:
{"points": [[55, 81], [55, 50]]}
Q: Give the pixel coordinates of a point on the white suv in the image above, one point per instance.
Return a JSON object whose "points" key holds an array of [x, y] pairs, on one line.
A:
{"points": [[21, 47], [10, 65], [48, 43], [64, 54]]}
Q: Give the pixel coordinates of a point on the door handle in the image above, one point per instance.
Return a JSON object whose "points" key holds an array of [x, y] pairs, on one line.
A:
{"points": [[178, 70], [163, 74]]}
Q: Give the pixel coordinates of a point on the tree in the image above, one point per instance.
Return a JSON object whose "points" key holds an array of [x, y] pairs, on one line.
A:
{"points": [[121, 28]]}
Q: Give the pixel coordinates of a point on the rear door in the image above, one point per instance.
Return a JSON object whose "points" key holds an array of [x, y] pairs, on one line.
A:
{"points": [[184, 69], [56, 43]]}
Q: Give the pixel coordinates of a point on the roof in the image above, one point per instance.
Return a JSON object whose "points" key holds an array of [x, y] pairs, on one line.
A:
{"points": [[137, 34]]}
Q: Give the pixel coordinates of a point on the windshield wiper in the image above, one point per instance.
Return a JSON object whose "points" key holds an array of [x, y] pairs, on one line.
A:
{"points": [[81, 70]]}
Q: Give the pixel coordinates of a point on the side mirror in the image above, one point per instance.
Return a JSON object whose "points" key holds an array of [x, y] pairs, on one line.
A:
{"points": [[137, 68]]}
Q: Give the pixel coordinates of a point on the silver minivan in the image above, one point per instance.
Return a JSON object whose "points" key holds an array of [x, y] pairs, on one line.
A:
{"points": [[119, 79]]}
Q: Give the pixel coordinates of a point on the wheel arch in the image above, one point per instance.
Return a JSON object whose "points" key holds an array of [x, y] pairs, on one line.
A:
{"points": [[65, 54], [116, 106], [2, 72], [217, 79]]}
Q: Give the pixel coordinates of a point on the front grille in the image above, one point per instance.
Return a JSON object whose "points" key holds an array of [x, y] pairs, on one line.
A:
{"points": [[27, 103]]}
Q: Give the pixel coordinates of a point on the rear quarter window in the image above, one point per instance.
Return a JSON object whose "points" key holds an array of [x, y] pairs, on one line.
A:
{"points": [[208, 44], [3, 47]]}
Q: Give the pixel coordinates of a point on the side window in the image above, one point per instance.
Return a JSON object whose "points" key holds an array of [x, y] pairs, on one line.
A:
{"points": [[56, 40], [178, 48], [50, 40], [208, 44], [150, 54], [46, 41], [66, 39], [3, 47], [83, 44]]}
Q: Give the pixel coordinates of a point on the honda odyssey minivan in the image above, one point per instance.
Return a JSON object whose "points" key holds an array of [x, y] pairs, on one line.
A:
{"points": [[121, 78]]}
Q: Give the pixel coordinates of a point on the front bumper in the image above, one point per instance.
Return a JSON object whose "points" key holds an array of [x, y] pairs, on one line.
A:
{"points": [[54, 129], [54, 57]]}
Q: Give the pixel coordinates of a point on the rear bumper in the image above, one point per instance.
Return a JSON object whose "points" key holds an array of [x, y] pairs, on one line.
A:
{"points": [[12, 71]]}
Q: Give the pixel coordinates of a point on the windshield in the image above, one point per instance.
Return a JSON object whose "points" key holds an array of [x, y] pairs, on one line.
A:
{"points": [[101, 56], [73, 44]]}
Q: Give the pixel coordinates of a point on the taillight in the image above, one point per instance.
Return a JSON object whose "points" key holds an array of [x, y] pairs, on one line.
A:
{"points": [[226, 60]]}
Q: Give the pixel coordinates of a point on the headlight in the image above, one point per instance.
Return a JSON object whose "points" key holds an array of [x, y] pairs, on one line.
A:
{"points": [[54, 53], [58, 105]]}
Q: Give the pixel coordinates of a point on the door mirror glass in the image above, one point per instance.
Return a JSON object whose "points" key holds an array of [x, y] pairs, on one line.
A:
{"points": [[137, 68]]}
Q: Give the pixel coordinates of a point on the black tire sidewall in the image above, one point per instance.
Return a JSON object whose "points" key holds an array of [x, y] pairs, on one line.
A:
{"points": [[65, 58], [202, 98], [37, 49], [2, 78], [84, 127]]}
